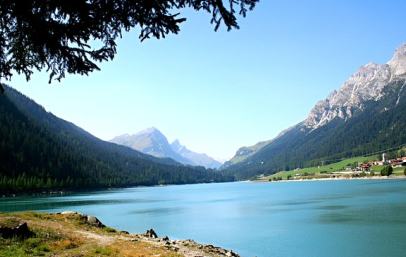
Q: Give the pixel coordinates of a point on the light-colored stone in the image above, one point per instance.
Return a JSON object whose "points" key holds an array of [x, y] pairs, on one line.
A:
{"points": [[68, 213], [367, 84]]}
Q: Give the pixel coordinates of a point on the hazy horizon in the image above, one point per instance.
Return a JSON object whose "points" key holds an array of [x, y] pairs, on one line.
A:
{"points": [[218, 91]]}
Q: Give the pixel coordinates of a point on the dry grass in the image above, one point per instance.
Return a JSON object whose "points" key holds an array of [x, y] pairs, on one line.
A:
{"points": [[70, 236]]}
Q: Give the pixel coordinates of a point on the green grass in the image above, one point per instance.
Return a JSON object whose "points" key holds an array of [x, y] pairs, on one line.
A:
{"points": [[319, 171], [30, 247], [399, 171], [109, 230], [103, 251], [396, 171]]}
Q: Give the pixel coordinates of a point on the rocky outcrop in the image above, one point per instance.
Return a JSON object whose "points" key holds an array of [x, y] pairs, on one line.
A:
{"points": [[88, 219], [190, 248], [93, 221], [151, 233], [20, 230]]}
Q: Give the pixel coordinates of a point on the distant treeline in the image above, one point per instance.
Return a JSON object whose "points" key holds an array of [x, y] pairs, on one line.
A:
{"points": [[39, 151]]}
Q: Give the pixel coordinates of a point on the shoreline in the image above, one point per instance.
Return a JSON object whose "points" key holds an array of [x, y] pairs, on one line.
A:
{"points": [[402, 177], [68, 191], [70, 233]]}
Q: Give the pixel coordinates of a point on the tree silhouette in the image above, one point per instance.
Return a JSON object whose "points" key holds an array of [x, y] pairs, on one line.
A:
{"points": [[72, 36]]}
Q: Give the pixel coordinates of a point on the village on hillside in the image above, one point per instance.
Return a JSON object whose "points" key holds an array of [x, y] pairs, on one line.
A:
{"points": [[388, 165], [394, 163]]}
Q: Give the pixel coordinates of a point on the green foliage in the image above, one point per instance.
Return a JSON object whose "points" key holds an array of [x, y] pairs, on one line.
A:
{"points": [[387, 171], [109, 229], [42, 152], [404, 172], [103, 251], [275, 179], [55, 35], [30, 247]]}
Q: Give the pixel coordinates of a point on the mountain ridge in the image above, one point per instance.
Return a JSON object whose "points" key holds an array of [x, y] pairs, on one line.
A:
{"points": [[153, 142], [40, 151], [369, 87]]}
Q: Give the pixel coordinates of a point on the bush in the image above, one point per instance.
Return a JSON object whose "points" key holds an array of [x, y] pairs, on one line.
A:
{"points": [[387, 170], [404, 171]]}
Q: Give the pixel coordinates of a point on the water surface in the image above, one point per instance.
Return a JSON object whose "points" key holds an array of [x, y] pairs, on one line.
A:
{"points": [[357, 218]]}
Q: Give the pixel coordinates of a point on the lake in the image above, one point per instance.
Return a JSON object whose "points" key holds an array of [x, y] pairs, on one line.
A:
{"points": [[360, 218]]}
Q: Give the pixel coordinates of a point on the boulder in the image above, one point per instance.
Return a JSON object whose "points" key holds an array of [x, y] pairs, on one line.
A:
{"points": [[68, 213], [151, 233], [20, 231], [93, 221]]}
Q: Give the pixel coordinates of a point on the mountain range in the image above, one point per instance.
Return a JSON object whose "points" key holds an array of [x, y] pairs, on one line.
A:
{"points": [[367, 114], [153, 142], [39, 151]]}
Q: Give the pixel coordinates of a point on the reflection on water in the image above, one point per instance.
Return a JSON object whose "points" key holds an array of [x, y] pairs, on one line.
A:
{"points": [[157, 211], [314, 218], [378, 214], [332, 207], [49, 204]]}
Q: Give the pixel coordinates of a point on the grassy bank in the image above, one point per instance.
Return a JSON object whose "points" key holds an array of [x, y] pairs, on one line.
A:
{"points": [[329, 171]]}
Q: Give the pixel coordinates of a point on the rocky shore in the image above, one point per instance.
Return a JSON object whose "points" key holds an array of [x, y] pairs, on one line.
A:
{"points": [[85, 235]]}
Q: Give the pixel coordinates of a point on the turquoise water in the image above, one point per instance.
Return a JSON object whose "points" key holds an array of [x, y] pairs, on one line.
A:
{"points": [[360, 218]]}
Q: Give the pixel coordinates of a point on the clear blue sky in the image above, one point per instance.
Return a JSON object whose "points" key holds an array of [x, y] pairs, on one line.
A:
{"points": [[219, 91]]}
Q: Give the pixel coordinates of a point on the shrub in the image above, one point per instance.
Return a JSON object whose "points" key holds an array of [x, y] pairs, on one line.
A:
{"points": [[109, 230], [387, 170]]}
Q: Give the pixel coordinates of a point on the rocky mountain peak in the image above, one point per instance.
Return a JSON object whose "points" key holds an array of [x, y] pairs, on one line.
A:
{"points": [[398, 61], [151, 130], [153, 142], [177, 146], [366, 84]]}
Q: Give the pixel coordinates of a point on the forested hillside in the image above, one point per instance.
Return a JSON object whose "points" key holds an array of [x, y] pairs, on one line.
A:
{"points": [[40, 151], [381, 125]]}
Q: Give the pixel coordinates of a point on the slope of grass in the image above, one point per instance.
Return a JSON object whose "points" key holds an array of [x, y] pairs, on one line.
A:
{"points": [[319, 171]]}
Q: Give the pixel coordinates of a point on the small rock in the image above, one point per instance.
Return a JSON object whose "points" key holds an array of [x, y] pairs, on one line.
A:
{"points": [[231, 254], [92, 220], [68, 213]]}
